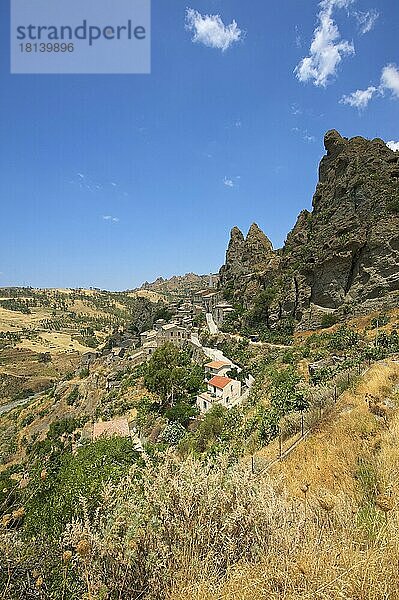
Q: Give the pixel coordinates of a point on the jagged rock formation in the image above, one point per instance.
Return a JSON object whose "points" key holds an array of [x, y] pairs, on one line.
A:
{"points": [[247, 255], [344, 255]]}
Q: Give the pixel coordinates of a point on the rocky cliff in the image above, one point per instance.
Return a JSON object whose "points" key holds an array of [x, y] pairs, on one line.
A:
{"points": [[341, 257]]}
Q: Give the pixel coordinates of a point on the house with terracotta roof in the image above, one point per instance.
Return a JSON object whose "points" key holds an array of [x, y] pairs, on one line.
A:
{"points": [[116, 427], [217, 367], [221, 390]]}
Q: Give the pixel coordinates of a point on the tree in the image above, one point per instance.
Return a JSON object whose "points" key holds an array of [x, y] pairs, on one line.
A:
{"points": [[260, 311], [171, 375]]}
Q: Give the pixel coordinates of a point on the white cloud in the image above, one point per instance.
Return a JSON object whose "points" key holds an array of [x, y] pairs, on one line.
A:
{"points": [[393, 146], [390, 79], [232, 182], [366, 20], [111, 219], [296, 109], [211, 31], [360, 98], [327, 48], [304, 134], [228, 182], [389, 83], [298, 37]]}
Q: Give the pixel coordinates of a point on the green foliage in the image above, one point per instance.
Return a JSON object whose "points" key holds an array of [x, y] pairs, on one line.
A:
{"points": [[17, 305], [181, 413], [52, 503], [393, 206], [27, 420], [171, 375], [379, 321], [173, 433], [284, 396], [267, 424], [344, 338], [328, 320], [216, 432], [83, 373], [58, 438], [389, 342], [44, 357], [237, 350], [73, 396], [259, 314], [145, 407]]}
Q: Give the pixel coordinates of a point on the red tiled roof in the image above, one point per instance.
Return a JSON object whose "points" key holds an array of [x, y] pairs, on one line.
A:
{"points": [[218, 364], [219, 382], [118, 427]]}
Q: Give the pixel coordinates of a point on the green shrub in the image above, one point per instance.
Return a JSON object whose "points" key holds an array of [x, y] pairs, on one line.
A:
{"points": [[72, 477], [328, 320]]}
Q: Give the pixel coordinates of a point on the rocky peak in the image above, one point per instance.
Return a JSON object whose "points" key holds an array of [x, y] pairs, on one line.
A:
{"points": [[334, 143], [235, 248], [344, 254], [257, 242], [246, 255]]}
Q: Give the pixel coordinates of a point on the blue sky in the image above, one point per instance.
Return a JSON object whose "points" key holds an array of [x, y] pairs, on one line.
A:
{"points": [[222, 133]]}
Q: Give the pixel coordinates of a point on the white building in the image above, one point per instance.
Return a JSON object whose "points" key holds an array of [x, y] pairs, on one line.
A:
{"points": [[221, 390], [221, 311], [217, 367]]}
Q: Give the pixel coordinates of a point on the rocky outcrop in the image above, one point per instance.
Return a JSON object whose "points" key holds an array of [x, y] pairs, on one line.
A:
{"points": [[342, 256]]}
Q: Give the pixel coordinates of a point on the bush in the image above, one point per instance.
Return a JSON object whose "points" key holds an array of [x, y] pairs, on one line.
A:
{"points": [[217, 432], [328, 320], [72, 477], [344, 338], [181, 413], [73, 396], [173, 433]]}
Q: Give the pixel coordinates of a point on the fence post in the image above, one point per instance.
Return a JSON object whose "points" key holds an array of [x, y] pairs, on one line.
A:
{"points": [[252, 464], [335, 393], [280, 443], [302, 424], [348, 378]]}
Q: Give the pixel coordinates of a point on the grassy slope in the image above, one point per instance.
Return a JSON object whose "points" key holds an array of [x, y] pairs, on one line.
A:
{"points": [[342, 547]]}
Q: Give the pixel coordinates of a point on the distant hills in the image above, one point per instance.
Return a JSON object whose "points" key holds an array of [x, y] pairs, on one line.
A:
{"points": [[180, 285]]}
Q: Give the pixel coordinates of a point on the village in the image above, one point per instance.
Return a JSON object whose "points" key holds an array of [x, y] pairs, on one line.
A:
{"points": [[220, 374]]}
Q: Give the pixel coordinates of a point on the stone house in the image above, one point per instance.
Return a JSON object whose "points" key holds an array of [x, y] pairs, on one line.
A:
{"points": [[221, 390], [221, 311], [217, 367], [175, 333]]}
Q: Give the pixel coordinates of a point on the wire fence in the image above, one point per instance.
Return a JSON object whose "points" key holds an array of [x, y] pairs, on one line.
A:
{"points": [[296, 426]]}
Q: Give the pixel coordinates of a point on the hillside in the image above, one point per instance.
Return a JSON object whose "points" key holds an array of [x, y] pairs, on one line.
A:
{"points": [[43, 333], [332, 509], [136, 473], [179, 286]]}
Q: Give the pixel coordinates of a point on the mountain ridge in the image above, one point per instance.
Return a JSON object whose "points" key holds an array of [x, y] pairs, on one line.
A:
{"points": [[343, 255]]}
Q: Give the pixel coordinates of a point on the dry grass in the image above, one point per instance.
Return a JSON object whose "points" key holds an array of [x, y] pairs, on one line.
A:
{"points": [[190, 530], [343, 547]]}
